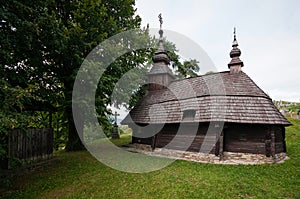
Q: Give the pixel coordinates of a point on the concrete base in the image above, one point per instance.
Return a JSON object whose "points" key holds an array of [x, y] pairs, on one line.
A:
{"points": [[228, 158], [115, 132]]}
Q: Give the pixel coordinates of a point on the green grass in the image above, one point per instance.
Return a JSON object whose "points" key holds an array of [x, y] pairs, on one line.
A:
{"points": [[79, 175], [125, 138]]}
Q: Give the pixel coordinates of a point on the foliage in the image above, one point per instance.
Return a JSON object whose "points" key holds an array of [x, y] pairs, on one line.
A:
{"points": [[12, 104], [60, 128], [183, 69], [124, 129], [125, 138], [45, 42], [79, 175], [289, 106], [91, 133], [137, 96], [294, 108], [11, 111]]}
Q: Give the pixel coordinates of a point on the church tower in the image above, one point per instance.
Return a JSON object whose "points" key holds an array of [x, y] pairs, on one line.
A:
{"points": [[235, 64], [160, 74]]}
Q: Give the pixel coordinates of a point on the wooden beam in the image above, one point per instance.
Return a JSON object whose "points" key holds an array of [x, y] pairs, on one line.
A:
{"points": [[268, 147], [217, 139], [272, 143], [217, 146], [283, 139], [153, 144], [221, 145]]}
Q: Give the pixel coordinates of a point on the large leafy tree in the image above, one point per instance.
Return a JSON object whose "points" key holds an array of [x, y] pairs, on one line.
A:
{"points": [[44, 43]]}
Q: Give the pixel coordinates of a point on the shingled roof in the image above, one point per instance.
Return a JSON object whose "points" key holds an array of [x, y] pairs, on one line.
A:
{"points": [[215, 97], [229, 96]]}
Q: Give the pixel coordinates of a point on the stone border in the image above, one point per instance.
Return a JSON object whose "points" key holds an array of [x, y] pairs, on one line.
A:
{"points": [[229, 158]]}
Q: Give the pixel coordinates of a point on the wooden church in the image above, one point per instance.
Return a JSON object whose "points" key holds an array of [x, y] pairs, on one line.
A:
{"points": [[189, 113]]}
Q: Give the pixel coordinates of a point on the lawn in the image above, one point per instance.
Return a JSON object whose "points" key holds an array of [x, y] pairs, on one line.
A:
{"points": [[79, 175]]}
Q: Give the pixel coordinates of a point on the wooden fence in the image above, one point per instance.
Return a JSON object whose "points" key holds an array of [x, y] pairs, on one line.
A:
{"points": [[30, 145]]}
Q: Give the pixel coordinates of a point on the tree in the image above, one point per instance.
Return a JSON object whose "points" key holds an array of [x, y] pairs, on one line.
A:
{"points": [[45, 43], [11, 112], [185, 69]]}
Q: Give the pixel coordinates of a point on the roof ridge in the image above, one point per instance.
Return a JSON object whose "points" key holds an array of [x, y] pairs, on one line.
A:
{"points": [[216, 95]]}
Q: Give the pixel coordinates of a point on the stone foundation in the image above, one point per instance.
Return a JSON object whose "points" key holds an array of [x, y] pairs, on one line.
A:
{"points": [[228, 157]]}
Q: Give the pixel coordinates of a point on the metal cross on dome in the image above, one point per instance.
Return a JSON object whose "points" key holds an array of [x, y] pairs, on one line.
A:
{"points": [[234, 32], [160, 20]]}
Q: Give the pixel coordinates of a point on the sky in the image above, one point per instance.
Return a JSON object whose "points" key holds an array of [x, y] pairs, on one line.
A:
{"points": [[268, 33]]}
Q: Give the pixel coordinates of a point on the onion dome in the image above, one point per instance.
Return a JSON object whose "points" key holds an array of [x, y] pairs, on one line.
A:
{"points": [[161, 58], [160, 54], [160, 75], [235, 53]]}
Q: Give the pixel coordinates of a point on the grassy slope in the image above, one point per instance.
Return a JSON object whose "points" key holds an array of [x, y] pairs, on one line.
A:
{"points": [[79, 175]]}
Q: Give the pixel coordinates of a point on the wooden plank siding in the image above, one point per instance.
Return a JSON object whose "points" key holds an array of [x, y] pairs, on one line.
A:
{"points": [[180, 142], [30, 145], [254, 124], [242, 138], [138, 140], [253, 139], [192, 134]]}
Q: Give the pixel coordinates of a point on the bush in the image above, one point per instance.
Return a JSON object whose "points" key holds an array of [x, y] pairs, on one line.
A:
{"points": [[11, 111]]}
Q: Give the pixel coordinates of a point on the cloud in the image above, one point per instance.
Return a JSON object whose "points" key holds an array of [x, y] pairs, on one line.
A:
{"points": [[268, 34]]}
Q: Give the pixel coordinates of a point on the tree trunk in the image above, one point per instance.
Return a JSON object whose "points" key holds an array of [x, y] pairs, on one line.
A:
{"points": [[74, 142]]}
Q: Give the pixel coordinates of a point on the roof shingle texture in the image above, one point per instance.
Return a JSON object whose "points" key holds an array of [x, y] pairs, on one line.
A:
{"points": [[216, 97]]}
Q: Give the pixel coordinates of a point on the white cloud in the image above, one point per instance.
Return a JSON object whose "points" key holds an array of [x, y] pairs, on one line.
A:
{"points": [[268, 34]]}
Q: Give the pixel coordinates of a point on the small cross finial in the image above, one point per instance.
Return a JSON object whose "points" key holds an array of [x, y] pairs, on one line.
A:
{"points": [[160, 20], [234, 32], [116, 115], [234, 43], [160, 30]]}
